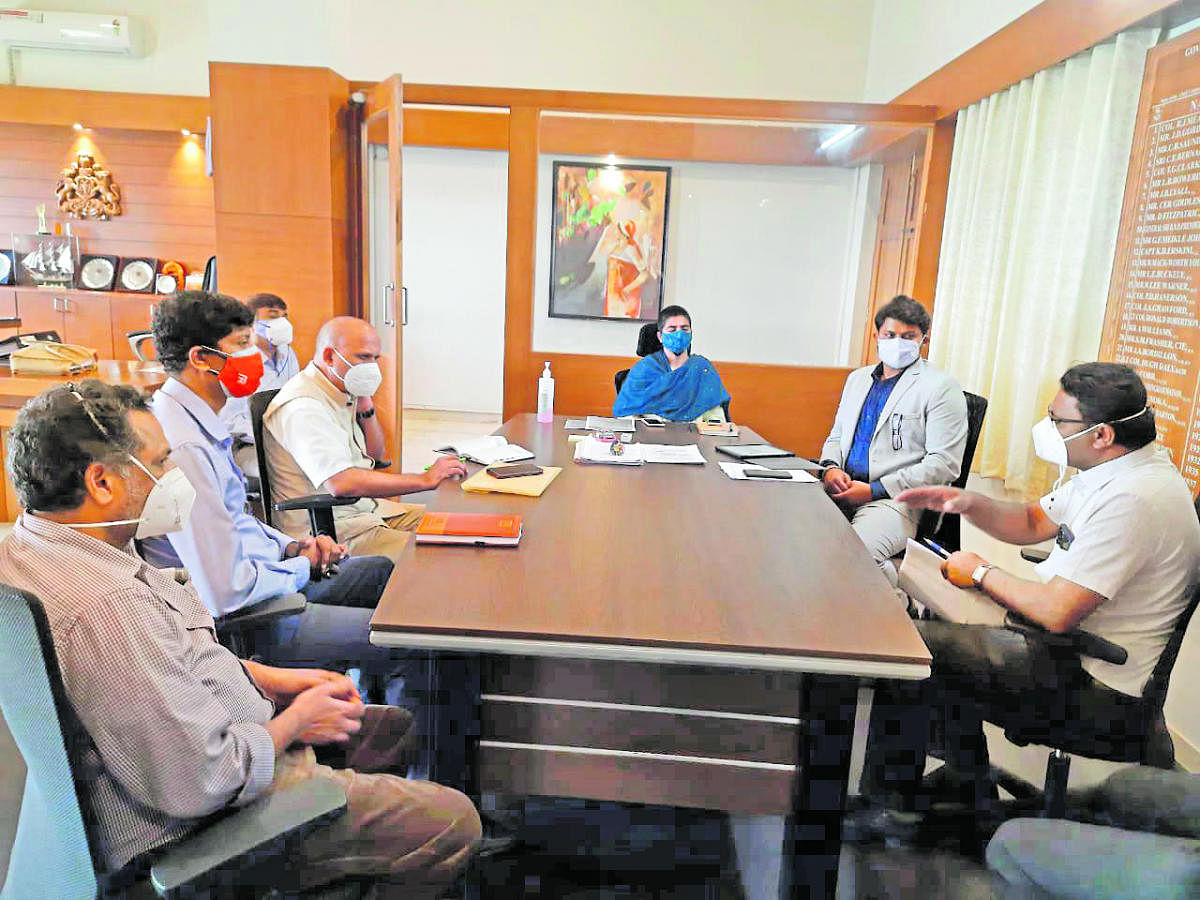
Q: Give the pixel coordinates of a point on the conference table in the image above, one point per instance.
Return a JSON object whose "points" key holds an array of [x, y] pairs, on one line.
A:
{"points": [[664, 634]]}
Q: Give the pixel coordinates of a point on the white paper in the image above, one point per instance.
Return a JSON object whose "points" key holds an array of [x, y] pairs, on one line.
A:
{"points": [[590, 450], [921, 578], [737, 471], [608, 423], [672, 453], [575, 424]]}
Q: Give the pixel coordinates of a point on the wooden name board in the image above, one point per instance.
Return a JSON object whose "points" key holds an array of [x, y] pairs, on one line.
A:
{"points": [[1151, 322]]}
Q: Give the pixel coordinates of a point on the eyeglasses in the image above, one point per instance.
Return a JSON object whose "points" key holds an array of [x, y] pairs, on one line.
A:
{"points": [[1057, 421], [897, 438], [74, 392]]}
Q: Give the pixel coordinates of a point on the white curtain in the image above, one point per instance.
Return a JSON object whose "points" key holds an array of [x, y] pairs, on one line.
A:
{"points": [[1036, 183]]}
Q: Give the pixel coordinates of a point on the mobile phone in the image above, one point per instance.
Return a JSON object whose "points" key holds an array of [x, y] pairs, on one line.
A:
{"points": [[767, 473], [520, 470]]}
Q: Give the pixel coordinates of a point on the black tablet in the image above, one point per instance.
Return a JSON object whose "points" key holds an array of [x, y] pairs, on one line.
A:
{"points": [[752, 451]]}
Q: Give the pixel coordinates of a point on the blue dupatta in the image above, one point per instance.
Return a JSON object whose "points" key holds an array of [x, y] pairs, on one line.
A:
{"points": [[681, 396]]}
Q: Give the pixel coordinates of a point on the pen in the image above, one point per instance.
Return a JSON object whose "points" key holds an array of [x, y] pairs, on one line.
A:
{"points": [[936, 548]]}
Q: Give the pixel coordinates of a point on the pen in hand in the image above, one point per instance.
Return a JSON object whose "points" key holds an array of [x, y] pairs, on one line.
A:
{"points": [[936, 548]]}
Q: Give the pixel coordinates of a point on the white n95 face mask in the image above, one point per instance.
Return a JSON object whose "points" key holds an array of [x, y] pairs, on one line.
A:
{"points": [[899, 353], [278, 331], [362, 379], [1051, 446], [167, 509]]}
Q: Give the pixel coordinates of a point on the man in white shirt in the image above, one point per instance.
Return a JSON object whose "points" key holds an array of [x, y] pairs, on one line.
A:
{"points": [[272, 335], [322, 436], [1127, 545]]}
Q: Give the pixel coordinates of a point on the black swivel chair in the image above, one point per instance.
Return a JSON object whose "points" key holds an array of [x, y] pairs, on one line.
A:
{"points": [[1153, 747], [318, 506], [56, 841], [949, 535]]}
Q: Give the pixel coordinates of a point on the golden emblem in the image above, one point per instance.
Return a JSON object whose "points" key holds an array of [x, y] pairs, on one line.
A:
{"points": [[87, 191]]}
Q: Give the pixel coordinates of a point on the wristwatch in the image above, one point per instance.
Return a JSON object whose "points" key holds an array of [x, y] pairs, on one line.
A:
{"points": [[980, 571], [365, 415]]}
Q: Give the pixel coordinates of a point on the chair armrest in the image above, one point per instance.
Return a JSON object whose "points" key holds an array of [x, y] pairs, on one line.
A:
{"points": [[272, 608], [1035, 554], [224, 852], [381, 464], [1081, 642], [314, 501], [1141, 798]]}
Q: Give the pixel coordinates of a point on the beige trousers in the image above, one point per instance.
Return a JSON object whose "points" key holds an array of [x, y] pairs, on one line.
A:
{"points": [[390, 538], [411, 837], [885, 527]]}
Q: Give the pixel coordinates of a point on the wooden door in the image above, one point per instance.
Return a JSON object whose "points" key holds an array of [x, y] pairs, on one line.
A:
{"points": [[383, 123], [129, 314], [895, 239], [86, 321], [40, 311]]}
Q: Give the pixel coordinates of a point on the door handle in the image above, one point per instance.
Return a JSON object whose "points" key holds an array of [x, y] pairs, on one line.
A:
{"points": [[403, 305], [389, 305]]}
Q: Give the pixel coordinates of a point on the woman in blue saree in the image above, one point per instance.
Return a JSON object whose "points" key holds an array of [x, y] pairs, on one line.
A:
{"points": [[672, 383]]}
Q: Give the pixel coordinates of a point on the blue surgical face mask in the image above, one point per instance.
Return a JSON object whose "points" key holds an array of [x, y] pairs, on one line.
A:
{"points": [[677, 341]]}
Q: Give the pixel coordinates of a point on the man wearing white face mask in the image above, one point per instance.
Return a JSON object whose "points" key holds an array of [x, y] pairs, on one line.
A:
{"points": [[168, 725], [272, 336], [900, 424], [1127, 545], [322, 436]]}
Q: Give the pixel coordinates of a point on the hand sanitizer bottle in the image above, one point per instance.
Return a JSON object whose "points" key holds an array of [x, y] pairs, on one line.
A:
{"points": [[545, 412]]}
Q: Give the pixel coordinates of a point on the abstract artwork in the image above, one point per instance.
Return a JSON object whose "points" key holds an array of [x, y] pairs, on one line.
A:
{"points": [[609, 240]]}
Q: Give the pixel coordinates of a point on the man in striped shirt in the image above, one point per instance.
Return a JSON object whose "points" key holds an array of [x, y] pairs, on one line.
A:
{"points": [[177, 728]]}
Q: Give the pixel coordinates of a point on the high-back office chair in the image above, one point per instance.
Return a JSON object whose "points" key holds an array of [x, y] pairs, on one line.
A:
{"points": [[318, 506], [648, 343], [949, 535], [142, 345], [55, 841], [1153, 747]]}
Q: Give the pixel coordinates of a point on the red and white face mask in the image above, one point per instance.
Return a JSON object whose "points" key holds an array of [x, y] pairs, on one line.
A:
{"points": [[242, 373]]}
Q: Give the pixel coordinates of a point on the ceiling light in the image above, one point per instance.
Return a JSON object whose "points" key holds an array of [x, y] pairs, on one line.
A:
{"points": [[838, 136], [185, 132], [77, 126]]}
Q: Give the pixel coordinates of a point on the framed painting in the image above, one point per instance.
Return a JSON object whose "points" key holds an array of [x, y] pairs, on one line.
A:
{"points": [[608, 241]]}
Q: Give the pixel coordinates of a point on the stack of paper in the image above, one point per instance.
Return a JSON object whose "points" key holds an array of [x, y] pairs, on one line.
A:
{"points": [[921, 578], [592, 451], [737, 471], [686, 454], [487, 451], [718, 429]]}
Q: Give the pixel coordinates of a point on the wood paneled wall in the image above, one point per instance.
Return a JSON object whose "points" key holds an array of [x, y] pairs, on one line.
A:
{"points": [[281, 197], [167, 200]]}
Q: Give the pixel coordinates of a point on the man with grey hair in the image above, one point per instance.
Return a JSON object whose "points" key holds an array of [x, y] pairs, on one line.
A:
{"points": [[172, 727], [321, 435]]}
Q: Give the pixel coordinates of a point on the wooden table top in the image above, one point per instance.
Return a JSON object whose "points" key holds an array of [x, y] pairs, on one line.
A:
{"points": [[673, 563], [15, 390]]}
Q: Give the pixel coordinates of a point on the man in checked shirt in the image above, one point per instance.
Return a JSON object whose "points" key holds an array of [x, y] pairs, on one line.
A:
{"points": [[177, 728]]}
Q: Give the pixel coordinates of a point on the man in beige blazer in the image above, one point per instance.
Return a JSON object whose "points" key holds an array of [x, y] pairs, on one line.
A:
{"points": [[900, 424]]}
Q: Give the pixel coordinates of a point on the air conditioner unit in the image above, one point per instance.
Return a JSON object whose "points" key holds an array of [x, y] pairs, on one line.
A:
{"points": [[40, 30]]}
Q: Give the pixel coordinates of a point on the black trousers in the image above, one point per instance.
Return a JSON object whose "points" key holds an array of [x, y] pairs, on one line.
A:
{"points": [[982, 673]]}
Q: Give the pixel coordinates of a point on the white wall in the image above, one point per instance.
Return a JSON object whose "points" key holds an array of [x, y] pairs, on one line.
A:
{"points": [[757, 255], [912, 39], [176, 38], [455, 233], [764, 48]]}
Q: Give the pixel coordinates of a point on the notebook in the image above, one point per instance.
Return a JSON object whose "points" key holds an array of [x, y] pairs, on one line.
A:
{"points": [[921, 578], [487, 451], [752, 451], [478, 529], [737, 471], [526, 486]]}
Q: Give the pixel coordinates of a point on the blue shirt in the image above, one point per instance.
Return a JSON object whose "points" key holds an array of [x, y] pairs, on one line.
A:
{"points": [[858, 462], [278, 369], [234, 559]]}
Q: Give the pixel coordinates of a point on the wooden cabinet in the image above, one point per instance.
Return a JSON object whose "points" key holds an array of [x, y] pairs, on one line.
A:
{"points": [[90, 318]]}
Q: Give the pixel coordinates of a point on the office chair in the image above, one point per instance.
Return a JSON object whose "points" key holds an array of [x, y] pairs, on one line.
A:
{"points": [[318, 506], [56, 841], [1153, 748], [210, 275], [137, 343], [949, 535]]}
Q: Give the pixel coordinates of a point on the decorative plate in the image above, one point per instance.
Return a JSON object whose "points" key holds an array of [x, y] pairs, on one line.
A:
{"points": [[97, 273], [6, 267], [165, 284], [137, 275]]}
